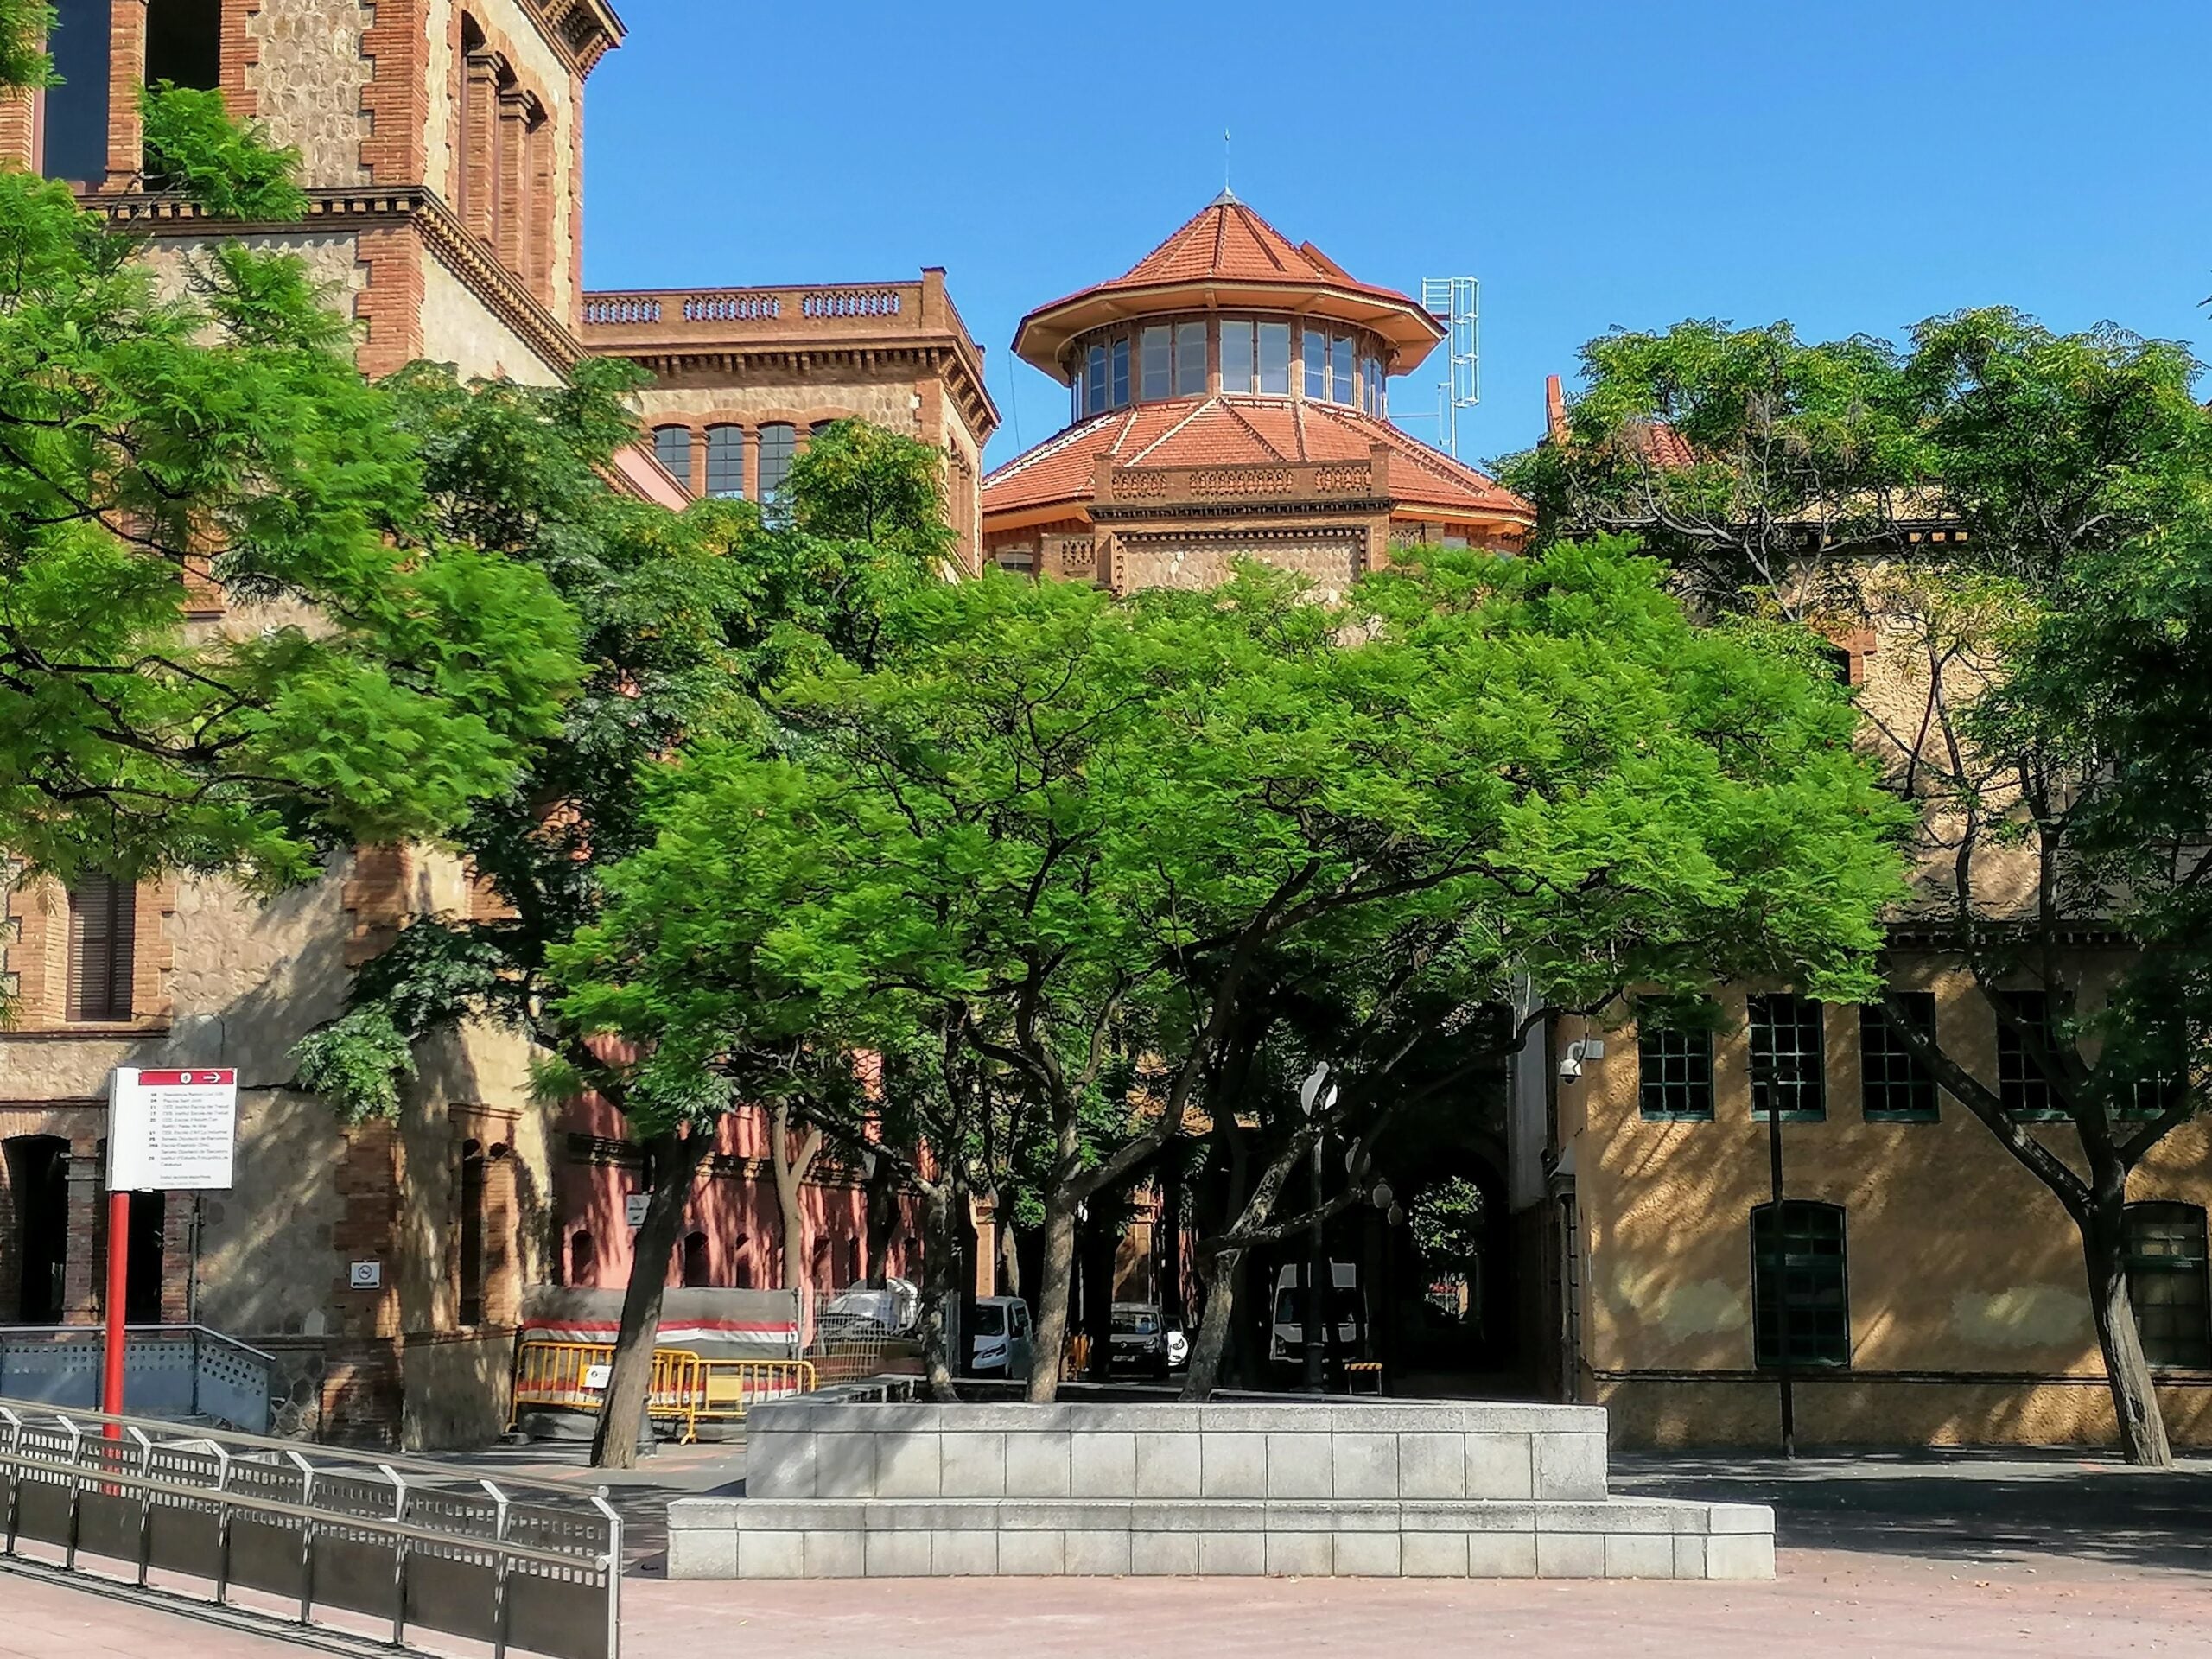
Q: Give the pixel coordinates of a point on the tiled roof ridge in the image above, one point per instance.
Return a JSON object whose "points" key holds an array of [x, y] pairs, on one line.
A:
{"points": [[1243, 420], [1197, 409], [1052, 446]]}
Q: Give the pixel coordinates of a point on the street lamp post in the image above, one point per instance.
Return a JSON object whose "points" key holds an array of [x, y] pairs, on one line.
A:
{"points": [[1317, 1095]]}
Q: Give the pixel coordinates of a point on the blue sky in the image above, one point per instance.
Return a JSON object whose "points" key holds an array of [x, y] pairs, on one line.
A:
{"points": [[1849, 166]]}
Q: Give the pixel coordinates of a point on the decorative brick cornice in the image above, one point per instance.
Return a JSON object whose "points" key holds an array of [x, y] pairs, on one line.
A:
{"points": [[500, 291]]}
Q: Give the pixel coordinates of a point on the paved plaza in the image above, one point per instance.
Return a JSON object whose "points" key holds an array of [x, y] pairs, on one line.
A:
{"points": [[1879, 1557]]}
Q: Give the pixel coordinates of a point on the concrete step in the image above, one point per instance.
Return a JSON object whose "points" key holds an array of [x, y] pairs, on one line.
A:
{"points": [[1613, 1537]]}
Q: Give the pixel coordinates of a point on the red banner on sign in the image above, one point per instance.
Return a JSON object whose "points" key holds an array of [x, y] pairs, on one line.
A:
{"points": [[181, 1079]]}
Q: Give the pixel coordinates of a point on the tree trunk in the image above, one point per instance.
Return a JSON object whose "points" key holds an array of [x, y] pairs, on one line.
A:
{"points": [[2134, 1399], [676, 1160], [883, 1220], [790, 1172], [1211, 1348], [1010, 1248], [940, 1257], [1054, 1281]]}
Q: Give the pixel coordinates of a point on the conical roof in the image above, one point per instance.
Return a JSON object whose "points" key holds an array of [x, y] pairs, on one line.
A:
{"points": [[1226, 256]]}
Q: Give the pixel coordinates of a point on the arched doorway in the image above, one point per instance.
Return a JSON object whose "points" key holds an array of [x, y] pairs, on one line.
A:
{"points": [[38, 1177]]}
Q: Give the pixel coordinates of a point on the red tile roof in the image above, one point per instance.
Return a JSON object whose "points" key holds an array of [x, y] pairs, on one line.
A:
{"points": [[1226, 431], [1226, 245]]}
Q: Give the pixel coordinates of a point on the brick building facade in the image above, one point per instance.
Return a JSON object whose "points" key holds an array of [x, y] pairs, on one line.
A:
{"points": [[743, 375]]}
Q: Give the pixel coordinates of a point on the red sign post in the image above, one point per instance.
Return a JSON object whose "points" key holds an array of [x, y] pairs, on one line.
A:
{"points": [[167, 1131]]}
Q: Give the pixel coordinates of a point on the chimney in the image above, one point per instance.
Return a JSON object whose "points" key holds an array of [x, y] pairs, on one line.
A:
{"points": [[1554, 409]]}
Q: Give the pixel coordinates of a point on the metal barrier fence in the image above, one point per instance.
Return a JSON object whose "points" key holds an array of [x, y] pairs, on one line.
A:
{"points": [[408, 1544], [685, 1389], [169, 1371]]}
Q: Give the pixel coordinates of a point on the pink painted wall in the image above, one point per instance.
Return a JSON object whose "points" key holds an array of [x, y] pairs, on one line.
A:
{"points": [[739, 1216]]}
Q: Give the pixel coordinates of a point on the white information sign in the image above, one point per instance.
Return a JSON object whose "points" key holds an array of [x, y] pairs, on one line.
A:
{"points": [[172, 1131], [635, 1206], [596, 1377], [366, 1276]]}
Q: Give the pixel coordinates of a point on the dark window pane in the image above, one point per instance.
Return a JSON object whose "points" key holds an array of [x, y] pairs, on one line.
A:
{"points": [[2167, 1273], [1801, 1309], [1153, 353], [472, 1234], [1190, 358], [2026, 1045], [1894, 1087], [779, 443], [725, 462], [76, 111], [1274, 360], [672, 448], [1340, 369], [1094, 378], [1317, 364], [184, 43], [1120, 394], [1787, 1057], [103, 948], [1675, 1073], [1236, 356]]}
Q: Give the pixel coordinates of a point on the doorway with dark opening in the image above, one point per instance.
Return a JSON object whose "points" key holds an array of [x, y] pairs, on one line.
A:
{"points": [[38, 1176]]}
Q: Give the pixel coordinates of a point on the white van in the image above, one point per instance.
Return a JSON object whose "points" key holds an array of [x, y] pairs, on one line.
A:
{"points": [[1286, 1339], [1001, 1343]]}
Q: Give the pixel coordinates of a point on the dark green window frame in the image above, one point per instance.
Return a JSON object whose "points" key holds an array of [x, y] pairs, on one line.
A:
{"points": [[1788, 1058], [1894, 1087], [1673, 1074], [1801, 1287], [2169, 1282], [2022, 1090]]}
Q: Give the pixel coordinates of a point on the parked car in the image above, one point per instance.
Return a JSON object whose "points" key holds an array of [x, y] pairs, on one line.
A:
{"points": [[1140, 1338], [1001, 1340]]}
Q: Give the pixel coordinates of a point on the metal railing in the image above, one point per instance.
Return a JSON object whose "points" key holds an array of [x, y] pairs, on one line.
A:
{"points": [[685, 1389], [169, 1371], [405, 1543]]}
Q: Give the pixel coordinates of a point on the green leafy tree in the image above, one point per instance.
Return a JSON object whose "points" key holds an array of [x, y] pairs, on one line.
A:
{"points": [[1071, 831], [684, 621], [367, 680], [2042, 656]]}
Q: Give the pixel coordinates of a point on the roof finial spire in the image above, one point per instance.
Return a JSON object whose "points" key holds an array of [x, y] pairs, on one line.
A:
{"points": [[1227, 195]]}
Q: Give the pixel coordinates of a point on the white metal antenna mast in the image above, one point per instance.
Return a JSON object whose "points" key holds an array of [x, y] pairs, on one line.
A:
{"points": [[1456, 301]]}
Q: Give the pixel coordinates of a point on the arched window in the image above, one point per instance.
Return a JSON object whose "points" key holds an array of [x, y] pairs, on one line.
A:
{"points": [[779, 443], [672, 448], [725, 462], [819, 427], [1800, 1304], [696, 1270], [2167, 1270], [740, 1265], [583, 1258], [103, 948], [472, 1233]]}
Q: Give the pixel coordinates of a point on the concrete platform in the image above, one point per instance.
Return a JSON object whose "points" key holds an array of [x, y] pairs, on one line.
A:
{"points": [[1319, 1489]]}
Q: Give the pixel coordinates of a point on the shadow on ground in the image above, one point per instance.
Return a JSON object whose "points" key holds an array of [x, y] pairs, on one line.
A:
{"points": [[1956, 1506]]}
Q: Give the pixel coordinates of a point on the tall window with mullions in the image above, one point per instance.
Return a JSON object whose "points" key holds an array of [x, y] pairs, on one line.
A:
{"points": [[2027, 1043], [1894, 1086], [2167, 1281], [1787, 1058], [725, 462], [779, 443], [1801, 1299], [1673, 1074]]}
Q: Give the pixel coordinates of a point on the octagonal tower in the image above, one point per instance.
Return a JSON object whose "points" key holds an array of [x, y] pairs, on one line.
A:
{"points": [[1228, 397]]}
